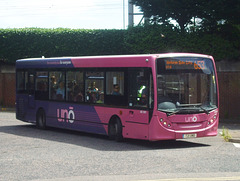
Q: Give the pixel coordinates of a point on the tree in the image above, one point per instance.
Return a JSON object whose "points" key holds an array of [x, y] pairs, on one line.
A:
{"points": [[184, 11], [220, 12], [162, 11]]}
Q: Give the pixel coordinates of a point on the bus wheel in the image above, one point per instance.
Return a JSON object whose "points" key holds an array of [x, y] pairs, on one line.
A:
{"points": [[41, 119], [115, 130]]}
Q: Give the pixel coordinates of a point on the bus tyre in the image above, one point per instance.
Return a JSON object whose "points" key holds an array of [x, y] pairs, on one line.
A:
{"points": [[115, 130], [41, 119]]}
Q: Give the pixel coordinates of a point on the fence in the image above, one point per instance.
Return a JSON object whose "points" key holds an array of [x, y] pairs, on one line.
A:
{"points": [[7, 89], [229, 88]]}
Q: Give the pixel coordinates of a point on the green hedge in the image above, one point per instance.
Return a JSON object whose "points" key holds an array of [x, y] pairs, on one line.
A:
{"points": [[37, 42]]}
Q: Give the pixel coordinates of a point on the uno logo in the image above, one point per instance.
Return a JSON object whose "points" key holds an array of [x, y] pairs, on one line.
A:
{"points": [[65, 115], [191, 119]]}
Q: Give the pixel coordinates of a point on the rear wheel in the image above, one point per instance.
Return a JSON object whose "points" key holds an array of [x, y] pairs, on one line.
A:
{"points": [[115, 130], [41, 119]]}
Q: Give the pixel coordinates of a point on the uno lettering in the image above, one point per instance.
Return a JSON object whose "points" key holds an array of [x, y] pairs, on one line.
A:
{"points": [[66, 115], [191, 119]]}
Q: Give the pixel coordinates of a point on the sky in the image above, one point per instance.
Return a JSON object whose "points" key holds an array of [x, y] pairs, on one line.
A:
{"points": [[75, 14]]}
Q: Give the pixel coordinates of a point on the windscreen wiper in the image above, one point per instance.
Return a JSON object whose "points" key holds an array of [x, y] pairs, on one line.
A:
{"points": [[174, 112], [204, 110], [189, 105], [195, 105]]}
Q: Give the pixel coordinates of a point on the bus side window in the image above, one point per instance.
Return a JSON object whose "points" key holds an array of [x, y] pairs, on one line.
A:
{"points": [[57, 86], [31, 83], [22, 79], [94, 92], [41, 90], [75, 86], [115, 83], [116, 87]]}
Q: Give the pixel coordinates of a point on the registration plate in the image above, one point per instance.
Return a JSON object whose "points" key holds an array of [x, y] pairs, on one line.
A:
{"points": [[185, 136]]}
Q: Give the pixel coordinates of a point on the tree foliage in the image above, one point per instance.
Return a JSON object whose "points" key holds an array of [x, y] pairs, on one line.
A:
{"points": [[211, 13], [161, 39]]}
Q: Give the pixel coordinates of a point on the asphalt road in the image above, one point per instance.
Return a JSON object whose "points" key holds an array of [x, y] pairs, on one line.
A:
{"points": [[27, 153]]}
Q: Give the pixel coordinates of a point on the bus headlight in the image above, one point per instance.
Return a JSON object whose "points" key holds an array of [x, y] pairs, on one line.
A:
{"points": [[165, 123], [211, 120]]}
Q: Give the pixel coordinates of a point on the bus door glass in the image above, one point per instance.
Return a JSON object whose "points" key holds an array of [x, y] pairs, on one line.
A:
{"points": [[139, 95]]}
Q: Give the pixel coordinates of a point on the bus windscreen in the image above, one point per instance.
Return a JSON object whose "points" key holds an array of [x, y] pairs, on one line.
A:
{"points": [[186, 85]]}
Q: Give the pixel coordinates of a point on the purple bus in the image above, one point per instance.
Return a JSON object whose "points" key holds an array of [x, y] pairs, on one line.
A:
{"points": [[150, 97]]}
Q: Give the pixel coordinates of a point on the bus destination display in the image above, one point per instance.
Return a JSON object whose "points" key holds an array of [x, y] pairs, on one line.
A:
{"points": [[188, 64]]}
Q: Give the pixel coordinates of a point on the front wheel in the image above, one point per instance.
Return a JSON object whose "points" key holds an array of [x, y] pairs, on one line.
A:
{"points": [[41, 119], [115, 130]]}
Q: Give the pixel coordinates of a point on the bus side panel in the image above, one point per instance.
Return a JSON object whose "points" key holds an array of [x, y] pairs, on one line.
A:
{"points": [[24, 111], [135, 131], [105, 114], [74, 117], [21, 106], [134, 122]]}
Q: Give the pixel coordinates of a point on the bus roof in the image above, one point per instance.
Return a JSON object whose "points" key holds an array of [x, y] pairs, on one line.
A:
{"points": [[144, 60]]}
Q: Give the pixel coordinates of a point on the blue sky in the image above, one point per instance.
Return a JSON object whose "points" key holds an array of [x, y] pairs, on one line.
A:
{"points": [[83, 14]]}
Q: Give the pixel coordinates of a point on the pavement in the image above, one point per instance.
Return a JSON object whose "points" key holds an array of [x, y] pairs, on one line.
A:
{"points": [[7, 109], [231, 126]]}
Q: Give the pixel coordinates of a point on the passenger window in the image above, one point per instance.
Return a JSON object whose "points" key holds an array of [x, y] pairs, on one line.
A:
{"points": [[41, 90], [31, 85], [22, 79], [57, 85], [75, 86], [94, 92], [138, 88], [115, 83]]}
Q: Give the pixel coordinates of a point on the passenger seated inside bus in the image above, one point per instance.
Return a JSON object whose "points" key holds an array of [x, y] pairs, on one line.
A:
{"points": [[116, 89], [60, 91], [78, 96], [101, 99]]}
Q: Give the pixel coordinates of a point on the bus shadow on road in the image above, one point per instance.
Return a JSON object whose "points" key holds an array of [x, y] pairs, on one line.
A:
{"points": [[94, 141]]}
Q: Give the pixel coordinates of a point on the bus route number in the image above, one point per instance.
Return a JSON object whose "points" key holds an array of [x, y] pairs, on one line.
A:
{"points": [[199, 65]]}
